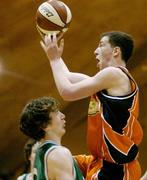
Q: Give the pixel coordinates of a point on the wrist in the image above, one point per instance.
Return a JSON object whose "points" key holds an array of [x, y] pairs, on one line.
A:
{"points": [[54, 61]]}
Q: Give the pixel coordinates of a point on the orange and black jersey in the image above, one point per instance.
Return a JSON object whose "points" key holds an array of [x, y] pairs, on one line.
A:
{"points": [[113, 128]]}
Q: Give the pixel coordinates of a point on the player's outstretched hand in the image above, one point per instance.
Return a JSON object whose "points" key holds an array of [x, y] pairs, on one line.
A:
{"points": [[51, 47]]}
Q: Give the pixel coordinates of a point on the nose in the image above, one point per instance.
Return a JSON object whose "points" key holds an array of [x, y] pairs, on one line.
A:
{"points": [[95, 52]]}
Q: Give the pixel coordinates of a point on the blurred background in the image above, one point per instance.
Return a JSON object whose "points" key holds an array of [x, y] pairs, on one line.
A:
{"points": [[25, 73]]}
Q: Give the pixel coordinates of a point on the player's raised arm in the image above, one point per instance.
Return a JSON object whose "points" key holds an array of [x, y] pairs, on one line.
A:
{"points": [[105, 79]]}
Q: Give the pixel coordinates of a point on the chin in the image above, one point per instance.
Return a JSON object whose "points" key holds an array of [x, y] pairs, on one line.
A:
{"points": [[99, 66], [63, 132]]}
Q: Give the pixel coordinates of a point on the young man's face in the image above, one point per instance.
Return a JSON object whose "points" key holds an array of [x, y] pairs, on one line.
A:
{"points": [[103, 52], [57, 124]]}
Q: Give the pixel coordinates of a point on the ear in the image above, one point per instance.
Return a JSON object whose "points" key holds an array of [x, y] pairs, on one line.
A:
{"points": [[47, 128], [116, 51]]}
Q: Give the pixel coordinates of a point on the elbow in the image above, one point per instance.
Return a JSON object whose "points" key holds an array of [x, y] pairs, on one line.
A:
{"points": [[67, 95]]}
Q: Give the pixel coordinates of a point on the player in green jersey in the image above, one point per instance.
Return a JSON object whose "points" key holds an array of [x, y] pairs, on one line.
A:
{"points": [[42, 121]]}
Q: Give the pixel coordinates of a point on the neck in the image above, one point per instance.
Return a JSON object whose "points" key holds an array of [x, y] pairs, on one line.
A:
{"points": [[117, 63], [52, 137]]}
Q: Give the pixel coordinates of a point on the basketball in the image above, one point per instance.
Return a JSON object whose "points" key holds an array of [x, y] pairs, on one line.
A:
{"points": [[53, 16]]}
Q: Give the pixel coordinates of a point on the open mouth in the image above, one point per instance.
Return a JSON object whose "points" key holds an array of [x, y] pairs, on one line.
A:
{"points": [[97, 59]]}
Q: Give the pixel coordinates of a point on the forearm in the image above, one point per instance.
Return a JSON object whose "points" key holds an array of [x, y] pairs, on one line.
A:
{"points": [[60, 76], [63, 66]]}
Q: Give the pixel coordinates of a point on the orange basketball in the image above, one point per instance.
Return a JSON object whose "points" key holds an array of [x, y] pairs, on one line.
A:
{"points": [[53, 16]]}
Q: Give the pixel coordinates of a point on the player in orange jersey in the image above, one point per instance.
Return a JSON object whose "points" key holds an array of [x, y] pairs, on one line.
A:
{"points": [[114, 132]]}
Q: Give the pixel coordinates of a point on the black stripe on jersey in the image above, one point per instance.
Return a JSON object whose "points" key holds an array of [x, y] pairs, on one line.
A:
{"points": [[118, 156], [111, 171], [116, 112]]}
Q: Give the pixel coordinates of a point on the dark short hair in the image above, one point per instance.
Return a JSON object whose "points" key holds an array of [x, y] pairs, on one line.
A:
{"points": [[122, 40], [36, 116]]}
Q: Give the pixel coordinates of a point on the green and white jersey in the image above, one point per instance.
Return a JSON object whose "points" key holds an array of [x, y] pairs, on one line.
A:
{"points": [[40, 164]]}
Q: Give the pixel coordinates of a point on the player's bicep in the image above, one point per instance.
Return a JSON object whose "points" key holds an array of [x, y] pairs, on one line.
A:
{"points": [[76, 77], [103, 80]]}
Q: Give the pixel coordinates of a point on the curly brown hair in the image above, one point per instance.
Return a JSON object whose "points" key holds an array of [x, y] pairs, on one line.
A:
{"points": [[36, 116]]}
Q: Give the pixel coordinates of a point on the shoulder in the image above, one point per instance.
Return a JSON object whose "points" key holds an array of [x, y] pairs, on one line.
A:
{"points": [[58, 156], [60, 150], [60, 164], [108, 75], [111, 73]]}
